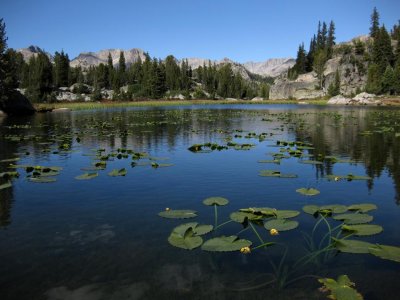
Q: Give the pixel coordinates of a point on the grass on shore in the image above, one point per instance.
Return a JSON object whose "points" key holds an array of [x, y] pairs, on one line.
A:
{"points": [[118, 104]]}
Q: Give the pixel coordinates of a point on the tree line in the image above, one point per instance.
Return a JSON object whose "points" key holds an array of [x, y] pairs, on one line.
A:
{"points": [[152, 78]]}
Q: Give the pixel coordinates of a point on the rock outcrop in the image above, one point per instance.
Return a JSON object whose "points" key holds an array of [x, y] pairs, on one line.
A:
{"points": [[304, 87], [360, 99], [17, 104]]}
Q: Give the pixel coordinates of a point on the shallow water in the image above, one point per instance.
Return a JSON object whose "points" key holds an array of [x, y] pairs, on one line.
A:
{"points": [[102, 238]]}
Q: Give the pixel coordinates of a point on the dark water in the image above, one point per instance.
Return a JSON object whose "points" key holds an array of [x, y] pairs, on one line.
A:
{"points": [[102, 238]]}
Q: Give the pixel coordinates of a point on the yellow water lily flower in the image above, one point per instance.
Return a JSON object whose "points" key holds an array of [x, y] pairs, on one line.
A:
{"points": [[167, 209], [245, 250], [273, 231], [337, 178]]}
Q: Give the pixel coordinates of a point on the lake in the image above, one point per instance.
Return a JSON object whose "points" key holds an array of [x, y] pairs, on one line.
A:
{"points": [[102, 238]]}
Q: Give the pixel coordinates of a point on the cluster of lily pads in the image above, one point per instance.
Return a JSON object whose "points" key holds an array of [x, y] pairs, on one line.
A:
{"points": [[354, 221], [37, 174]]}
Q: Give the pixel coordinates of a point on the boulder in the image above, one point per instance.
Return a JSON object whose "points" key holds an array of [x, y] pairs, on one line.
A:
{"points": [[257, 99], [230, 99], [17, 104], [66, 96], [364, 96], [340, 100], [61, 109], [107, 94]]}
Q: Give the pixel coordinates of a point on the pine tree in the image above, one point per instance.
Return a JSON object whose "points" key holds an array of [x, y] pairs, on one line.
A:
{"points": [[396, 75], [172, 73], [311, 53], [3, 47], [110, 72], [324, 33], [374, 29], [382, 52], [330, 42], [40, 78], [373, 80], [334, 87], [388, 81], [61, 69], [319, 65]]}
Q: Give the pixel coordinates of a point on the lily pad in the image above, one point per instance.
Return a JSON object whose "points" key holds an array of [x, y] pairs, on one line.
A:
{"points": [[87, 176], [352, 219], [197, 229], [5, 185], [311, 209], [187, 240], [116, 172], [286, 214], [311, 162], [340, 289], [281, 224], [386, 252], [225, 243], [178, 214], [241, 217], [42, 179], [352, 246], [362, 229], [220, 201], [335, 208], [308, 192], [362, 207]]}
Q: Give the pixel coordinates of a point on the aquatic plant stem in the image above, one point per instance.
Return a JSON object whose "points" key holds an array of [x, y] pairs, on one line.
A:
{"points": [[256, 232], [222, 224], [216, 215]]}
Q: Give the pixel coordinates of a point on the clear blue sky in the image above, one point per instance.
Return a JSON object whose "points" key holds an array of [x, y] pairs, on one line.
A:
{"points": [[241, 30]]}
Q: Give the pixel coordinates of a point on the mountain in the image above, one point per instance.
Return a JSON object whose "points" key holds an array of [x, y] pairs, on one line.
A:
{"points": [[271, 67], [87, 59], [27, 53]]}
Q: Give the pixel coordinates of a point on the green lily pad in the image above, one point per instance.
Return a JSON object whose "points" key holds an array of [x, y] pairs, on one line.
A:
{"points": [[197, 229], [42, 179], [5, 185], [335, 208], [225, 243], [386, 252], [352, 219], [362, 207], [240, 217], [281, 224], [9, 175], [286, 214], [187, 240], [178, 214], [87, 176], [265, 211], [116, 172], [311, 162], [272, 173], [215, 201], [311, 209], [10, 160], [308, 192], [351, 246], [340, 289], [362, 229], [269, 161]]}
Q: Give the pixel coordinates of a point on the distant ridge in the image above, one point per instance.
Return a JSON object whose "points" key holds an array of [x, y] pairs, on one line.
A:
{"points": [[271, 67]]}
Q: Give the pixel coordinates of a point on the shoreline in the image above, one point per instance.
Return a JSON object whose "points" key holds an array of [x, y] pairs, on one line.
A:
{"points": [[47, 107]]}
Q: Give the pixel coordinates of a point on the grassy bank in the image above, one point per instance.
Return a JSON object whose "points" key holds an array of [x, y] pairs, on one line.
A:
{"points": [[116, 104]]}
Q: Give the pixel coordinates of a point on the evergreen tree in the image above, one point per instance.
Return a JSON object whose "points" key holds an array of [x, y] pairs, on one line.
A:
{"points": [[319, 65], [395, 32], [388, 81], [374, 29], [330, 42], [3, 47], [382, 53], [311, 53], [373, 80], [301, 60], [396, 75], [324, 32], [40, 78], [334, 87], [121, 74], [61, 69], [172, 73], [110, 72]]}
